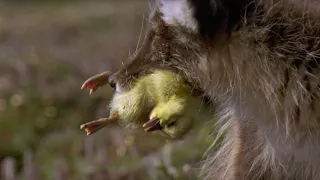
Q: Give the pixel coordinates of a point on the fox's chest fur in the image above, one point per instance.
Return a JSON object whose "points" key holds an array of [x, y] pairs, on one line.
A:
{"points": [[267, 92], [258, 60]]}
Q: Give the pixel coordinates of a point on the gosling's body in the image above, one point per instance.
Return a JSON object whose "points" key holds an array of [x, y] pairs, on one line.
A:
{"points": [[163, 95], [159, 101]]}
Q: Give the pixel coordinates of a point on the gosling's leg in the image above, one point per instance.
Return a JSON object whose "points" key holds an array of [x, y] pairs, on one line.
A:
{"points": [[94, 82], [94, 126]]}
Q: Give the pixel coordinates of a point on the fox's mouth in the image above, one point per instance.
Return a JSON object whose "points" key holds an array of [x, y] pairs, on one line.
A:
{"points": [[151, 124], [118, 88], [114, 80], [101, 79]]}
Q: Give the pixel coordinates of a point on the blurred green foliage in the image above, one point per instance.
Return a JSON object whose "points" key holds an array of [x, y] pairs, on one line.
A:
{"points": [[47, 49]]}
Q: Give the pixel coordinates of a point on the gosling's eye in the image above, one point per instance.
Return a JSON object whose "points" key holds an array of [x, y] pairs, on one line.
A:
{"points": [[172, 124]]}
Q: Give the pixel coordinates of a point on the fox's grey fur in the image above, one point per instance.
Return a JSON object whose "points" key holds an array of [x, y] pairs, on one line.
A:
{"points": [[258, 60]]}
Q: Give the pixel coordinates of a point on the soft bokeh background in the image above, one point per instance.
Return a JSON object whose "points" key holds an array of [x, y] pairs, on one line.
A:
{"points": [[47, 49]]}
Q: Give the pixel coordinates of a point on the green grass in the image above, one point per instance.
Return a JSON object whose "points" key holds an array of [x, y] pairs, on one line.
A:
{"points": [[47, 49]]}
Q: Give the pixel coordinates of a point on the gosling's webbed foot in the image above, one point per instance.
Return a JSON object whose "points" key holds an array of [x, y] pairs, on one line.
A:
{"points": [[94, 82], [94, 126]]}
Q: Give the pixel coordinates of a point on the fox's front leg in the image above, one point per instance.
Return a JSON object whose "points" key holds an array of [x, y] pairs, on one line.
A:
{"points": [[94, 82]]}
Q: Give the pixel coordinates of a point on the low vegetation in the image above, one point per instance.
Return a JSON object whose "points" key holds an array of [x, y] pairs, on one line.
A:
{"points": [[47, 49]]}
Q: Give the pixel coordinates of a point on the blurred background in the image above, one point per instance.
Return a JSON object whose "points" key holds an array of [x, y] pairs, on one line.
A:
{"points": [[47, 49]]}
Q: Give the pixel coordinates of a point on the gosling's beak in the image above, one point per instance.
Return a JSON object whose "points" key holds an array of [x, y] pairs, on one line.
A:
{"points": [[152, 125], [112, 80]]}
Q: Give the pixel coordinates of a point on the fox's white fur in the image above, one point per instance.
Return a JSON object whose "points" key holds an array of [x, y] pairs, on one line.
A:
{"points": [[178, 12]]}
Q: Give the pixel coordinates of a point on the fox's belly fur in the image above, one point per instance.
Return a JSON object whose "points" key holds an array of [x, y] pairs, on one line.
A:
{"points": [[256, 147]]}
